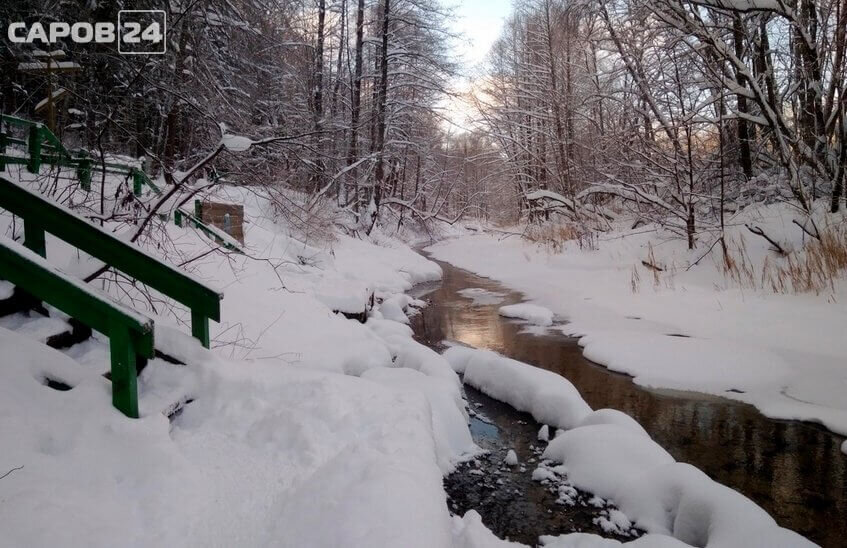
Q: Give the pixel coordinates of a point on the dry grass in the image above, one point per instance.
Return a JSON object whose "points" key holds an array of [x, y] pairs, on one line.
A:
{"points": [[815, 268], [554, 236]]}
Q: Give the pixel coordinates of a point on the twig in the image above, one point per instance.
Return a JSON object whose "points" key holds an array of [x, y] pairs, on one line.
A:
{"points": [[759, 232], [21, 467], [816, 234]]}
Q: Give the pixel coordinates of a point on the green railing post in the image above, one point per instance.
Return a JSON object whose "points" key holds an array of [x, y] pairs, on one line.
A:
{"points": [[124, 375], [178, 217], [34, 237], [137, 181], [3, 142], [200, 327], [83, 171], [34, 149], [198, 209]]}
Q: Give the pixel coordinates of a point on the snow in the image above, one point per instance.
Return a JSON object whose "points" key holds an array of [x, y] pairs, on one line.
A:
{"points": [[6, 289], [470, 532], [544, 433], [601, 457], [480, 296], [265, 453], [236, 143], [548, 397], [449, 420], [532, 313], [607, 453], [303, 428], [628, 316], [511, 458]]}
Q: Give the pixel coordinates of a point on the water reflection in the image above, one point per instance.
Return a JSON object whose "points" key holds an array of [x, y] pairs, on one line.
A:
{"points": [[795, 471]]}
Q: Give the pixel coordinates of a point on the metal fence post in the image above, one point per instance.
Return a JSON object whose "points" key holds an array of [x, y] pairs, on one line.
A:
{"points": [[34, 149]]}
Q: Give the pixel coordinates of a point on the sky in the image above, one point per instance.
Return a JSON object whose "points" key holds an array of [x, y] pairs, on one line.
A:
{"points": [[479, 23]]}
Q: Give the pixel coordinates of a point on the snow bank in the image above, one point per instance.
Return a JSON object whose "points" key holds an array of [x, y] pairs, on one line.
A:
{"points": [[601, 457], [453, 440], [622, 464], [606, 452], [532, 313], [281, 444], [267, 454], [470, 532], [628, 315], [548, 397]]}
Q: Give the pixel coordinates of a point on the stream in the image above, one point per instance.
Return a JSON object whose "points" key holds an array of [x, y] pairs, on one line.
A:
{"points": [[794, 470]]}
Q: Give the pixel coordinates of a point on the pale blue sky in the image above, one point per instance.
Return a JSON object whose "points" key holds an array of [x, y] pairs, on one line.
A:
{"points": [[480, 21]]}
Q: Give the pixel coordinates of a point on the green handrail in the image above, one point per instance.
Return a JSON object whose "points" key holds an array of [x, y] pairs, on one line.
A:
{"points": [[182, 217], [44, 146], [130, 333], [41, 215]]}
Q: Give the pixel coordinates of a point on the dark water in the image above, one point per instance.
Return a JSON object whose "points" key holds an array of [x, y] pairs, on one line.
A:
{"points": [[511, 503], [795, 471]]}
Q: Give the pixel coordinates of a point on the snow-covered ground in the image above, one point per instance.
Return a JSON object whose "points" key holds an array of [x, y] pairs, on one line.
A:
{"points": [[304, 428], [691, 329]]}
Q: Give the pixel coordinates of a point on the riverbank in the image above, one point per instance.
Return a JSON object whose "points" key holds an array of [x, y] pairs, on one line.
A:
{"points": [[680, 329], [767, 460]]}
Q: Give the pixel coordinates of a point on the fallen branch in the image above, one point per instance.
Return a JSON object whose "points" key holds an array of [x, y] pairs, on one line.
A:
{"points": [[759, 232], [653, 267]]}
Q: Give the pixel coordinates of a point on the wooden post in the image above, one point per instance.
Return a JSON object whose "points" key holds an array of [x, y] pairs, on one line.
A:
{"points": [[124, 375], [200, 327]]}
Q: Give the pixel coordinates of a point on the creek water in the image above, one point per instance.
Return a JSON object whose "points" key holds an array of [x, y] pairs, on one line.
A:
{"points": [[795, 471]]}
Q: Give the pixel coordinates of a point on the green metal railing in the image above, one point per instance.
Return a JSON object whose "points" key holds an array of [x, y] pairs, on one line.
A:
{"points": [[127, 339], [182, 218], [44, 147], [130, 333], [41, 215]]}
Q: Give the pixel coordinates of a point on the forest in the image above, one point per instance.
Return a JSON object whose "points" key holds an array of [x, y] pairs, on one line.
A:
{"points": [[423, 273]]}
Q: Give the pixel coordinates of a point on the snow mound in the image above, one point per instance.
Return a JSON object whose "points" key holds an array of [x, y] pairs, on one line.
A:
{"points": [[660, 495], [480, 296], [532, 313], [613, 416], [548, 397], [601, 457], [608, 453], [511, 458], [470, 532], [449, 420]]}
